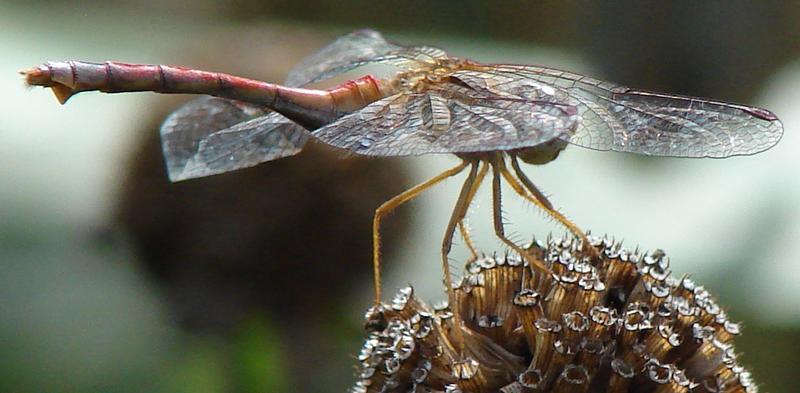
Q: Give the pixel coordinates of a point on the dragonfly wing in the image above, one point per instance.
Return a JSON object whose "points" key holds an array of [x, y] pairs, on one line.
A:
{"points": [[353, 50], [617, 118], [212, 135], [447, 120]]}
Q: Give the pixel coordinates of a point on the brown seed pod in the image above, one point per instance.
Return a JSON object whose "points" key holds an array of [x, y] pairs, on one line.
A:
{"points": [[618, 324]]}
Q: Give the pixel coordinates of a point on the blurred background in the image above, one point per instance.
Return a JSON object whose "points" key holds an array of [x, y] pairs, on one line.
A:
{"points": [[114, 280]]}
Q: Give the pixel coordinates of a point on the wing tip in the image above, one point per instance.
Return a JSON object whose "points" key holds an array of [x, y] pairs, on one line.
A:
{"points": [[762, 113], [177, 175]]}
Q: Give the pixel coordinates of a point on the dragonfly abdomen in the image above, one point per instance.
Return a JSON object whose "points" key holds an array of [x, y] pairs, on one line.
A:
{"points": [[67, 78], [310, 108], [357, 93], [313, 109]]}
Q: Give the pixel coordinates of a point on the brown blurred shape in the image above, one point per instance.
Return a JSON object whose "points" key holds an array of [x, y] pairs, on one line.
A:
{"points": [[291, 237], [288, 240]]}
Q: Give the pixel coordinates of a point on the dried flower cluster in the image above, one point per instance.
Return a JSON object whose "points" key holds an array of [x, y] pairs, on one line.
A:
{"points": [[620, 324]]}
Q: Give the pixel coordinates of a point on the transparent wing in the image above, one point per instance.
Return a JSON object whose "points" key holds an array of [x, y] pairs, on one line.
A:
{"points": [[212, 135], [353, 50], [451, 118], [614, 117]]}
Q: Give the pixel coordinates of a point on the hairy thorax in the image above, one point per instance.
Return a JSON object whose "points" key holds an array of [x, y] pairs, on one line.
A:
{"points": [[424, 78]]}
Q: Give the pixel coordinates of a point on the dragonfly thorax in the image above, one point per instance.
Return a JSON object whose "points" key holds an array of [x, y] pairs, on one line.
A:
{"points": [[419, 80]]}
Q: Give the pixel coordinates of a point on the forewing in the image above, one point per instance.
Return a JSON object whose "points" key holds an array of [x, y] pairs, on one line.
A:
{"points": [[353, 50], [447, 120], [614, 117], [212, 135]]}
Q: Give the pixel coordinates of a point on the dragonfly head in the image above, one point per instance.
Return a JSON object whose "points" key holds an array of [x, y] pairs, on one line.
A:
{"points": [[542, 153]]}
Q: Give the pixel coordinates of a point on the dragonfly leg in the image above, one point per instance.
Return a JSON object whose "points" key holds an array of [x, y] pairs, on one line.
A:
{"points": [[525, 188], [497, 215], [529, 184], [464, 230], [459, 211], [462, 227], [392, 204]]}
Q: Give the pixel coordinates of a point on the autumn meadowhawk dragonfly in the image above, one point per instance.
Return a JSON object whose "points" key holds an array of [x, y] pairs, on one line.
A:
{"points": [[489, 115]]}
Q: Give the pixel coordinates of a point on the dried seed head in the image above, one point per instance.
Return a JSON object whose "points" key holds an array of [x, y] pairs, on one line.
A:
{"points": [[619, 324]]}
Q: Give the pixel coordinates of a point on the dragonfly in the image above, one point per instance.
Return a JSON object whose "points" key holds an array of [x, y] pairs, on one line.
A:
{"points": [[491, 116]]}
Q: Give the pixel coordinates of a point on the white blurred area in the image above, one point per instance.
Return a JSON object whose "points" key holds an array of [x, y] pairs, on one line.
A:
{"points": [[73, 317], [778, 277], [60, 167]]}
